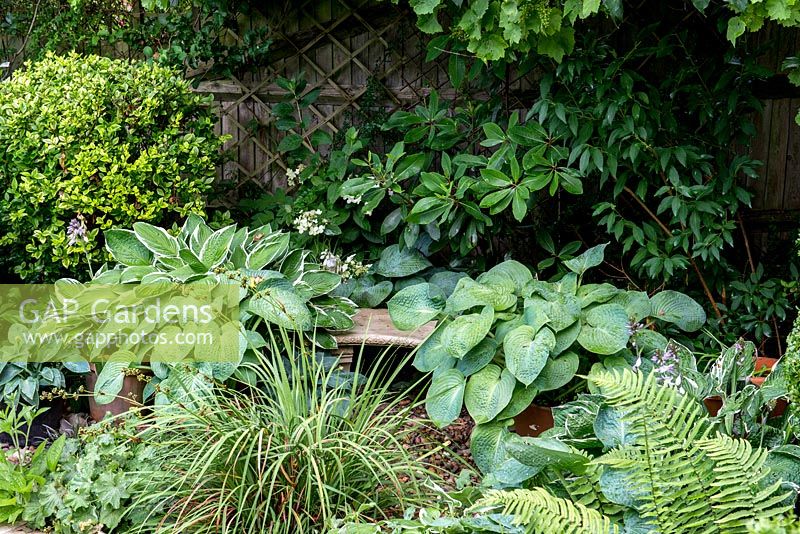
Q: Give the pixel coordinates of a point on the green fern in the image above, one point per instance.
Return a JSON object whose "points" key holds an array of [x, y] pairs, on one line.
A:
{"points": [[543, 513], [677, 475]]}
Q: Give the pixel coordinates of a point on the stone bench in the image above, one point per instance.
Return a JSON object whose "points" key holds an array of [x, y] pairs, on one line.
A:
{"points": [[374, 328]]}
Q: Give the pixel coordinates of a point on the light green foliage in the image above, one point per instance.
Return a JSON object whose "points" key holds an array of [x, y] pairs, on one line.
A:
{"points": [[22, 479], [751, 15], [544, 513], [512, 336], [507, 29], [93, 485], [312, 445], [104, 143]]}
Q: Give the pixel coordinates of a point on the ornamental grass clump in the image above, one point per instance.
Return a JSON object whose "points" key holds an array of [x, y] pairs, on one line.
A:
{"points": [[88, 143], [304, 445]]}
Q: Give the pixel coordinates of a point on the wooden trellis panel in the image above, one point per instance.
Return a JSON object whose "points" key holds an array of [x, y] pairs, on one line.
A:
{"points": [[340, 47]]}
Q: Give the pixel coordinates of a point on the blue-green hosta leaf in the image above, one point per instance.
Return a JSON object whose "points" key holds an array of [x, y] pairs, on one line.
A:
{"points": [[431, 355], [536, 313], [636, 303], [367, 294], [678, 309], [541, 453], [416, 305], [477, 358], [488, 444], [557, 372], [616, 485], [466, 331], [396, 262], [520, 400], [283, 307], [156, 239], [784, 463], [488, 392], [469, 293], [526, 351], [502, 328], [648, 341], [126, 248], [561, 310], [446, 281], [510, 275], [216, 247], [566, 338], [590, 258], [611, 428], [605, 329], [445, 396], [596, 293]]}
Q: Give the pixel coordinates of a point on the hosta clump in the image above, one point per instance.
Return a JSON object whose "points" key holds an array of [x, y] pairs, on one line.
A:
{"points": [[90, 143], [279, 287], [505, 337]]}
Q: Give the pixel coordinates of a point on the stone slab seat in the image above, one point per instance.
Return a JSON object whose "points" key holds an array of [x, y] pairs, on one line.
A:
{"points": [[374, 328]]}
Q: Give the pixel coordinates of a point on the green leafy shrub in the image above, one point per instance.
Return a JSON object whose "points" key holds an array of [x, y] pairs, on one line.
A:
{"points": [[290, 456], [89, 143]]}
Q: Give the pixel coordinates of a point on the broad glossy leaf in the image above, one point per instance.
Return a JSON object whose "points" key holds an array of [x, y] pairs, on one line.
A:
{"points": [[469, 293], [510, 275], [431, 355], [478, 357], [636, 304], [283, 307]]}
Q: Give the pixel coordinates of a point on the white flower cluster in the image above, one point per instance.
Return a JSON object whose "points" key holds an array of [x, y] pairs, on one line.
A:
{"points": [[310, 222], [293, 175], [352, 200], [347, 268]]}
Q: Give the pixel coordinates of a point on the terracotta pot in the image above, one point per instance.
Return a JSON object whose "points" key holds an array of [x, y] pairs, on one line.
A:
{"points": [[762, 364], [713, 405], [131, 388], [533, 420]]}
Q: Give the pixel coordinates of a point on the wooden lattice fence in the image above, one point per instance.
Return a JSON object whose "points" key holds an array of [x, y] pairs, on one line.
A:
{"points": [[344, 48]]}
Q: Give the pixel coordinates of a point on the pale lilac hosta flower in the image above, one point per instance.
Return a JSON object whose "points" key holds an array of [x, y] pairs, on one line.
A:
{"points": [[77, 230], [667, 367]]}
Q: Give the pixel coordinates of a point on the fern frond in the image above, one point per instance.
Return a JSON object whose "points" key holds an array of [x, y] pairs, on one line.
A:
{"points": [[683, 478], [743, 492], [542, 513]]}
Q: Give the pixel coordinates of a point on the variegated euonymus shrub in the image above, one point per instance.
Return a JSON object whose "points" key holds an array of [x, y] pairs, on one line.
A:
{"points": [[279, 287], [505, 337]]}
